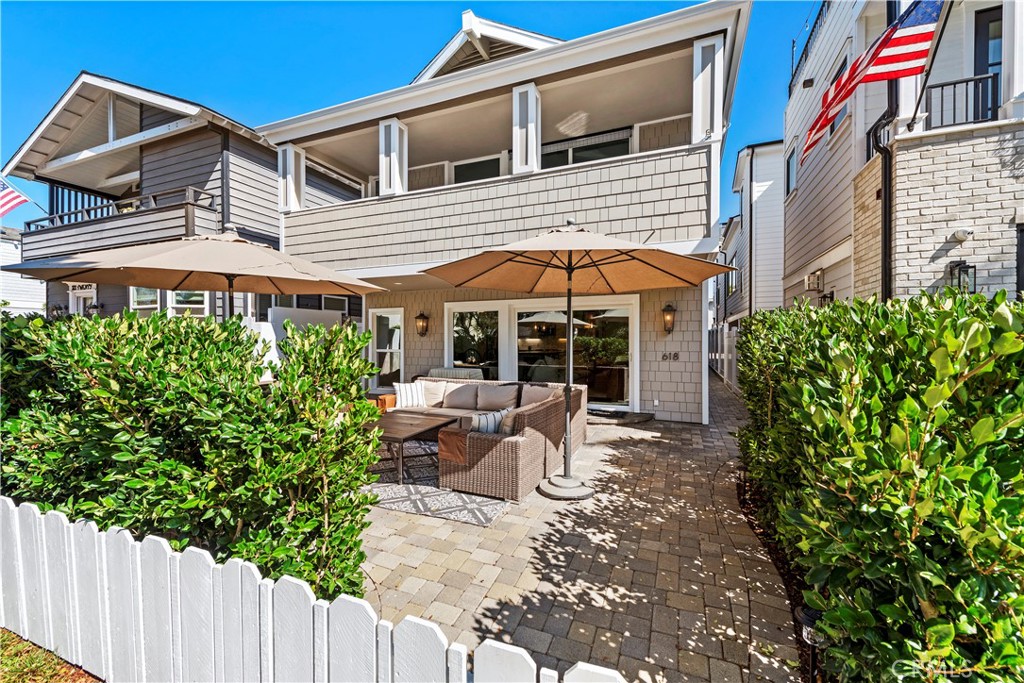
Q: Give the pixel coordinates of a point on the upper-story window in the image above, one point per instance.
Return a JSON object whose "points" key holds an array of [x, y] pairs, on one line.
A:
{"points": [[607, 145], [477, 169], [732, 278], [791, 171], [840, 70]]}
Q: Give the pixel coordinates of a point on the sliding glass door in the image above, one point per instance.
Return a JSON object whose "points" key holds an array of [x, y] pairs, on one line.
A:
{"points": [[387, 344], [601, 354], [476, 341]]}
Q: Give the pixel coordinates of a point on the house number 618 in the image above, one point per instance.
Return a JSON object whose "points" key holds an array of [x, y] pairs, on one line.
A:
{"points": [[670, 356]]}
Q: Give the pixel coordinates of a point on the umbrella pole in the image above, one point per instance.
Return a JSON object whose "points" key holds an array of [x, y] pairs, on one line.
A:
{"points": [[231, 295], [565, 487]]}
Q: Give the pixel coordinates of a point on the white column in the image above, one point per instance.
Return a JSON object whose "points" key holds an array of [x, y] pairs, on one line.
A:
{"points": [[291, 177], [1013, 60], [526, 130], [393, 158], [708, 88]]}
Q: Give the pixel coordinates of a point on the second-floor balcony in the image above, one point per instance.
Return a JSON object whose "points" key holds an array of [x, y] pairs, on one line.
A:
{"points": [[155, 217], [968, 100], [657, 196]]}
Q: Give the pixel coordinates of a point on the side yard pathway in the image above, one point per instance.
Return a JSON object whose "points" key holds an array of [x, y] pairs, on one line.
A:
{"points": [[657, 575]]}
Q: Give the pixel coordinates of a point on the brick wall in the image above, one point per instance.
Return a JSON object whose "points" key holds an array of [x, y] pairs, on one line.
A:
{"points": [[664, 134], [676, 384], [867, 230], [973, 180], [654, 197]]}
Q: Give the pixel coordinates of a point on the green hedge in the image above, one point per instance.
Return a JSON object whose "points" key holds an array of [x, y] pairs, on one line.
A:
{"points": [[889, 439], [162, 426]]}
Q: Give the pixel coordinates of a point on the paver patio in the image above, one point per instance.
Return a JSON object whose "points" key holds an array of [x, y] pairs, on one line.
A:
{"points": [[658, 575]]}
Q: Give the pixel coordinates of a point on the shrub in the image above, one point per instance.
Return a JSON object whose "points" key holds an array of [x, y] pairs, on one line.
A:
{"points": [[891, 439], [163, 426]]}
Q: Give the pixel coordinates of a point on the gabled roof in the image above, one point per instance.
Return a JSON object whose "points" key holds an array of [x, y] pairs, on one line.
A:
{"points": [[79, 119], [479, 41]]}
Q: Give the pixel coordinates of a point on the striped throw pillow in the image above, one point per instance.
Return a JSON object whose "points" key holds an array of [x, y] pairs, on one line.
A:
{"points": [[488, 422], [409, 395]]}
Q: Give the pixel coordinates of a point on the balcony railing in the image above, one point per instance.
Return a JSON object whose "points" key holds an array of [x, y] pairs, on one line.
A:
{"points": [[969, 100], [175, 197], [885, 137], [168, 215], [819, 20]]}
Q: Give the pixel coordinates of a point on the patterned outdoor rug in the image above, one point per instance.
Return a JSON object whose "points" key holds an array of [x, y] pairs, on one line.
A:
{"points": [[420, 495]]}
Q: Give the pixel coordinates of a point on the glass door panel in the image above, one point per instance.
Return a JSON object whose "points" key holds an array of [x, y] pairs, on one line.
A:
{"points": [[387, 340], [600, 351], [475, 341]]}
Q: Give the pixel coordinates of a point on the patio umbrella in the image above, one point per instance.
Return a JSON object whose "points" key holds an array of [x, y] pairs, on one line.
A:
{"points": [[203, 263], [551, 318], [573, 259]]}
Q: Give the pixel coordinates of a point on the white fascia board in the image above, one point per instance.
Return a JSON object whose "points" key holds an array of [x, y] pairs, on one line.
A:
{"points": [[155, 99], [742, 162], [398, 270], [446, 53], [710, 17], [512, 34]]}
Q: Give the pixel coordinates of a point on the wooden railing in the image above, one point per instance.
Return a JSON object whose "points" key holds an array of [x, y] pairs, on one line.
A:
{"points": [[968, 100], [175, 197]]}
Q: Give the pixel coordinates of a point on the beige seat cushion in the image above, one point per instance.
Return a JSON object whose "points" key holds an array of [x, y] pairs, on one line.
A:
{"points": [[496, 397], [451, 412], [460, 396], [433, 393], [535, 394]]}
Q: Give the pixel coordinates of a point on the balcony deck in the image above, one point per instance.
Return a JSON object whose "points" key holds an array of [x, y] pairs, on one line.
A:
{"points": [[151, 218], [659, 196]]}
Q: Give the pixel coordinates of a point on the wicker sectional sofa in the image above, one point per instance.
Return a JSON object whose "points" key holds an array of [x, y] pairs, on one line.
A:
{"points": [[506, 466]]}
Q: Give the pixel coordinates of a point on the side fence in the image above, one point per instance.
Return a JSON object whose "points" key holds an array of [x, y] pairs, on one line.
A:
{"points": [[126, 610]]}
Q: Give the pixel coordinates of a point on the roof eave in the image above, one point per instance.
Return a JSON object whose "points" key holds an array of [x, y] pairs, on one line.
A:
{"points": [[709, 17]]}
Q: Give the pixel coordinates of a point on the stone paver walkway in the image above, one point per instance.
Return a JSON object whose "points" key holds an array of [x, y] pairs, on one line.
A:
{"points": [[658, 575]]}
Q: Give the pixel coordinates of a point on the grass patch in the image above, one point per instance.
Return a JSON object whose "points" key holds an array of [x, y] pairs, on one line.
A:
{"points": [[22, 661]]}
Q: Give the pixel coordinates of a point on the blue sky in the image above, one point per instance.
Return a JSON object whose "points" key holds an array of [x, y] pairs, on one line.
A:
{"points": [[260, 62]]}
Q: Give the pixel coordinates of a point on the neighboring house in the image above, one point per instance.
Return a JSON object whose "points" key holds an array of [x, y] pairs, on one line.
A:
{"points": [[958, 182], [504, 135], [752, 243], [126, 165], [20, 295]]}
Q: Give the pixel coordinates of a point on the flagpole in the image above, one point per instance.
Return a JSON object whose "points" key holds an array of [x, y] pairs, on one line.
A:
{"points": [[25, 195], [946, 10]]}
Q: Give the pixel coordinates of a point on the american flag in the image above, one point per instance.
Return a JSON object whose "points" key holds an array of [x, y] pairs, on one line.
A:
{"points": [[902, 50], [10, 199]]}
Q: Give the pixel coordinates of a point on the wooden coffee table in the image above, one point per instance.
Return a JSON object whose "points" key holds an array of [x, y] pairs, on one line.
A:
{"points": [[399, 427]]}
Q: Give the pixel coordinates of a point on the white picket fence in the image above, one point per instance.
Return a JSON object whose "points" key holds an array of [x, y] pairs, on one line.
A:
{"points": [[126, 610]]}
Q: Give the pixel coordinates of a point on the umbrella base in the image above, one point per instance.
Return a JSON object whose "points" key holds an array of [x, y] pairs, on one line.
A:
{"points": [[559, 487]]}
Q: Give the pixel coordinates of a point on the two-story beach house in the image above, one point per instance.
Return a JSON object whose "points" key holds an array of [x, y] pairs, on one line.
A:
{"points": [[752, 243], [957, 180], [506, 134], [126, 165]]}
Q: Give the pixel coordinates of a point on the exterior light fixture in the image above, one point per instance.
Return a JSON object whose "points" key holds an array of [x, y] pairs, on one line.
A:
{"points": [[94, 308], [827, 298], [422, 324], [963, 276], [808, 619], [669, 315]]}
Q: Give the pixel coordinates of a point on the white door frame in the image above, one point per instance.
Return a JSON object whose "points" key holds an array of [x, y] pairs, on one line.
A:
{"points": [[508, 349], [400, 312], [78, 294]]}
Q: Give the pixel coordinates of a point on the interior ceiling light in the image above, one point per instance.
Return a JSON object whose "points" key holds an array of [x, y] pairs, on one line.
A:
{"points": [[574, 125]]}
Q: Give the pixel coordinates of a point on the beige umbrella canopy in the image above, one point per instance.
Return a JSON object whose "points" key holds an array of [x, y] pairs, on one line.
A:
{"points": [[567, 260], [203, 263]]}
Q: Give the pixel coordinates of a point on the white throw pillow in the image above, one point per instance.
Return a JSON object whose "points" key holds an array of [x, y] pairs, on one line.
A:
{"points": [[409, 395], [488, 422]]}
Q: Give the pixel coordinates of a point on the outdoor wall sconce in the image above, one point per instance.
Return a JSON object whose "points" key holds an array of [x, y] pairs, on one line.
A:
{"points": [[963, 276], [827, 298], [422, 324], [808, 619], [94, 308], [669, 315]]}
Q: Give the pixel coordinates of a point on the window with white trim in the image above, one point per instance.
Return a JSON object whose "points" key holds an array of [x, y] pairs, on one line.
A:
{"points": [[578, 150], [188, 302], [840, 70], [791, 171], [478, 169], [144, 300]]}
